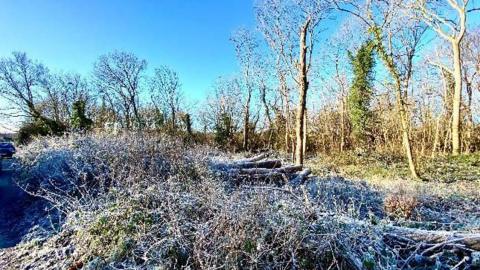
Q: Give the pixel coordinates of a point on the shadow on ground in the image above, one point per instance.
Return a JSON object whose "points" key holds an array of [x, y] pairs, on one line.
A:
{"points": [[16, 206]]}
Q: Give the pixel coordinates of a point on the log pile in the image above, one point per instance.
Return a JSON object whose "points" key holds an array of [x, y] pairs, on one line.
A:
{"points": [[262, 169], [447, 249], [415, 248]]}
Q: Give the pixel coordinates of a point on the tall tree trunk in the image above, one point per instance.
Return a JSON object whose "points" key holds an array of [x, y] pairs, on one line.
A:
{"points": [[286, 108], [401, 106], [457, 97], [173, 118], [405, 130], [246, 120], [127, 116], [469, 130], [342, 124], [302, 100], [263, 96]]}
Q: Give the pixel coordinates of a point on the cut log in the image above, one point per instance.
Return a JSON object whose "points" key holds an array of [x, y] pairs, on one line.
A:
{"points": [[291, 168], [269, 164], [252, 159], [259, 167], [470, 241], [300, 178], [266, 171]]}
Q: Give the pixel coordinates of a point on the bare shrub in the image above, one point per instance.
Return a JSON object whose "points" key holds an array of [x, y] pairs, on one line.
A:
{"points": [[400, 205]]}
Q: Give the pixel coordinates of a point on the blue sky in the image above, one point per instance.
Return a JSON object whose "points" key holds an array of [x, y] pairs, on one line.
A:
{"points": [[190, 36]]}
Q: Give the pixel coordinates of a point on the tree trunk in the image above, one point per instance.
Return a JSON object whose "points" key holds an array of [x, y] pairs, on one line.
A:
{"points": [[286, 108], [263, 94], [246, 120], [173, 118], [137, 117], [302, 100], [401, 106], [457, 97], [469, 130], [405, 132]]}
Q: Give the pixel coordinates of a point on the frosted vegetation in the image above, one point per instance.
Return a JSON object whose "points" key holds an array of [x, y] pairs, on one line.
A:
{"points": [[141, 201]]}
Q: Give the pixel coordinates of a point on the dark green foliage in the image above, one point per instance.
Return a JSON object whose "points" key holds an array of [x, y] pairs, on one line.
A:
{"points": [[224, 129], [79, 120], [39, 127], [187, 121], [361, 92]]}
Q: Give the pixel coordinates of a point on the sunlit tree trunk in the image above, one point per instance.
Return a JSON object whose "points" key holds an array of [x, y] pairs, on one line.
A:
{"points": [[302, 99], [457, 98], [452, 30], [469, 130], [305, 123], [286, 109], [246, 120], [401, 107]]}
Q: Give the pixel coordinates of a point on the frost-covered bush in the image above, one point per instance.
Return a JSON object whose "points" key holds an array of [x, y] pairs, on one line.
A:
{"points": [[69, 171], [143, 202]]}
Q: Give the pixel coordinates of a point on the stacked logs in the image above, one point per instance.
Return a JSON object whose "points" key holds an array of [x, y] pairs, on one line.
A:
{"points": [[441, 249], [261, 169]]}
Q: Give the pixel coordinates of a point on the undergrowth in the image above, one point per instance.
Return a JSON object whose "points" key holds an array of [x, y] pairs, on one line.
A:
{"points": [[446, 169], [138, 201]]}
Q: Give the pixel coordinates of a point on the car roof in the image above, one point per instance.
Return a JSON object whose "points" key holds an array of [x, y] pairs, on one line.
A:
{"points": [[6, 144]]}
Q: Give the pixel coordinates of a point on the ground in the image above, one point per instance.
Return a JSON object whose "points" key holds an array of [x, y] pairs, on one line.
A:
{"points": [[137, 201], [447, 196], [18, 211], [9, 196]]}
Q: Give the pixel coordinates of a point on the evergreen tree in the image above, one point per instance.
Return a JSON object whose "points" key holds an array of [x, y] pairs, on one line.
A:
{"points": [[223, 129], [187, 120], [79, 120], [361, 92]]}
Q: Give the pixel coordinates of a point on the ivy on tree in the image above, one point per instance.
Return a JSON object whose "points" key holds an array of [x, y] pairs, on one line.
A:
{"points": [[79, 120], [361, 92], [224, 129]]}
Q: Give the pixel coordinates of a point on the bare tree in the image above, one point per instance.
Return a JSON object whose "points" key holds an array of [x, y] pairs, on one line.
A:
{"points": [[470, 73], [245, 48], [166, 92], [291, 28], [222, 111], [62, 91], [23, 84], [118, 77], [268, 98], [225, 99], [448, 18]]}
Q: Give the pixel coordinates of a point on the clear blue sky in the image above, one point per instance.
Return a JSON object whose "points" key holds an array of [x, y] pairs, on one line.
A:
{"points": [[191, 36]]}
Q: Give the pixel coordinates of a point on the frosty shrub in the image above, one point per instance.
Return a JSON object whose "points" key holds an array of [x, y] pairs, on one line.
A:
{"points": [[400, 205], [139, 201]]}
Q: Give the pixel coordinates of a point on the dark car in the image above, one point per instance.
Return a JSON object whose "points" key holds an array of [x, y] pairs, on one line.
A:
{"points": [[6, 149]]}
